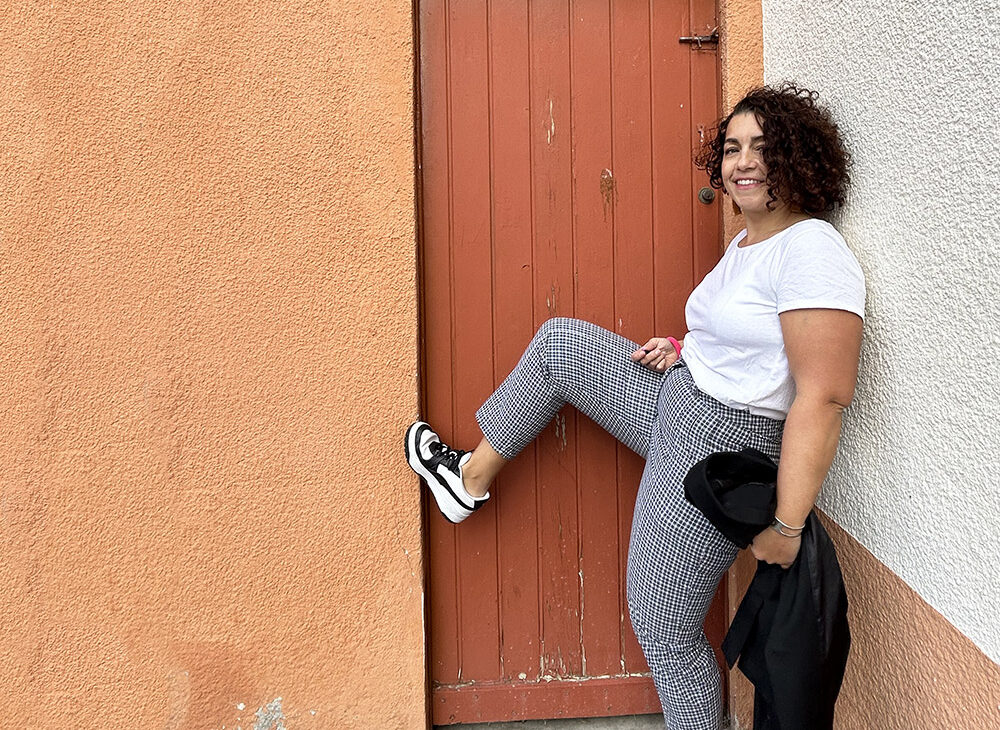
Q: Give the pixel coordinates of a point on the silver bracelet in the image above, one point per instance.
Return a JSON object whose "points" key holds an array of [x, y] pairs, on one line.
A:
{"points": [[780, 527], [787, 526], [777, 528]]}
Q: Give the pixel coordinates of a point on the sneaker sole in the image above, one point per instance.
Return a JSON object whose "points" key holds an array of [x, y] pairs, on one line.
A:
{"points": [[453, 510]]}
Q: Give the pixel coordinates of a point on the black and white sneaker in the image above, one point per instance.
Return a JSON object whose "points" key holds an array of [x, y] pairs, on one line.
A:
{"points": [[441, 467]]}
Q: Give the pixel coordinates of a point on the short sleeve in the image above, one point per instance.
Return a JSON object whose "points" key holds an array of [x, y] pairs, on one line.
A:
{"points": [[818, 271]]}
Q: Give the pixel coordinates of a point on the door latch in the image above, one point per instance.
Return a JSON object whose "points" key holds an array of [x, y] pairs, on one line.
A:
{"points": [[698, 40]]}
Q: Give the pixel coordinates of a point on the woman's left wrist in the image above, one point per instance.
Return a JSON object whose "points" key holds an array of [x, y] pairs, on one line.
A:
{"points": [[785, 529]]}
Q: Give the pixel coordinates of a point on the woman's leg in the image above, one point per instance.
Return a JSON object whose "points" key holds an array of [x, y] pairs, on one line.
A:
{"points": [[675, 565], [676, 556], [576, 362], [482, 468], [567, 361]]}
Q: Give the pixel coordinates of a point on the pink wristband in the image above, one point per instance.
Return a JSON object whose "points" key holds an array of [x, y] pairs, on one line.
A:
{"points": [[676, 344]]}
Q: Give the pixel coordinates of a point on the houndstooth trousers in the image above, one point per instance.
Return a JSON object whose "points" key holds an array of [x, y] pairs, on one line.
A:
{"points": [[676, 557]]}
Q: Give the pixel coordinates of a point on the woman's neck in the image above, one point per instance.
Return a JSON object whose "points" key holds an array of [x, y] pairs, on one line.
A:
{"points": [[761, 226]]}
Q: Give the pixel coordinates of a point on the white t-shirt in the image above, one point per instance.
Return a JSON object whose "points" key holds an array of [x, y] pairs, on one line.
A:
{"points": [[734, 346]]}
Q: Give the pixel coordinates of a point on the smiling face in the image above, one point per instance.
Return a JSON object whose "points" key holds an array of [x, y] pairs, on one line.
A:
{"points": [[744, 173]]}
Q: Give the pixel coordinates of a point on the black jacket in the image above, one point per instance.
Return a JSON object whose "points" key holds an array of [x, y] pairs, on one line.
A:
{"points": [[790, 632]]}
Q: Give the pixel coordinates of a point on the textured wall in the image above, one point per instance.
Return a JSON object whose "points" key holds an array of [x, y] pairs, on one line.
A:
{"points": [[916, 479], [208, 336], [920, 672], [741, 60]]}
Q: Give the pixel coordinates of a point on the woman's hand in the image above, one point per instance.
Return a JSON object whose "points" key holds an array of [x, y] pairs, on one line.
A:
{"points": [[773, 548], [657, 354]]}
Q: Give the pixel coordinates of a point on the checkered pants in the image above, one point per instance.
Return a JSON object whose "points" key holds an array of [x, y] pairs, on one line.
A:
{"points": [[676, 557]]}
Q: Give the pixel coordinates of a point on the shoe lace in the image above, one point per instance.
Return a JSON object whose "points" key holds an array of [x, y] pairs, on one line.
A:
{"points": [[447, 456]]}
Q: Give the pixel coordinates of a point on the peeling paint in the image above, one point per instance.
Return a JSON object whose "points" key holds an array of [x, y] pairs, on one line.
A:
{"points": [[550, 132], [550, 300], [621, 657], [609, 191], [270, 716], [545, 679], [560, 426]]}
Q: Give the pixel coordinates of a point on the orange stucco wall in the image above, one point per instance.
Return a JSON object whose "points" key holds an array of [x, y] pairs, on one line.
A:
{"points": [[741, 59], [909, 667], [208, 352]]}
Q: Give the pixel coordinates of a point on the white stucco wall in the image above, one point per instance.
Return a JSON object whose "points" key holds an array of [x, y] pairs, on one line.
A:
{"points": [[915, 86]]}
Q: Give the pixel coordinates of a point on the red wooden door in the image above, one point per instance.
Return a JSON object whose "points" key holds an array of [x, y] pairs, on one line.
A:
{"points": [[556, 179]]}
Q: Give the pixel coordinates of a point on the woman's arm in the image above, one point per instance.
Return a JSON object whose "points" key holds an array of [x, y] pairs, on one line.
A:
{"points": [[823, 347]]}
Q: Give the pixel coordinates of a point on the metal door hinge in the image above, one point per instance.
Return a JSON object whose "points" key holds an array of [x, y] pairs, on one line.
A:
{"points": [[699, 40]]}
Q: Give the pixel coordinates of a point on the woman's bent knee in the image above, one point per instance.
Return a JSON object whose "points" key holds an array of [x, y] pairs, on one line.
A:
{"points": [[555, 325]]}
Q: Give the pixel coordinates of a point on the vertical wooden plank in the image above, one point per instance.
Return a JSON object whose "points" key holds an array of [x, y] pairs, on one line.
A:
{"points": [[593, 220], [634, 274], [672, 156], [436, 295], [514, 492], [471, 313], [705, 100], [553, 295], [716, 625], [629, 474], [593, 184]]}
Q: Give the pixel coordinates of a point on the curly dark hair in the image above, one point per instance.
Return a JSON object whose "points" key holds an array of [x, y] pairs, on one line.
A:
{"points": [[804, 153]]}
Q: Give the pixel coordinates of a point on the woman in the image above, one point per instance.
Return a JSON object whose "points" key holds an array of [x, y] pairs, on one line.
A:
{"points": [[769, 361]]}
